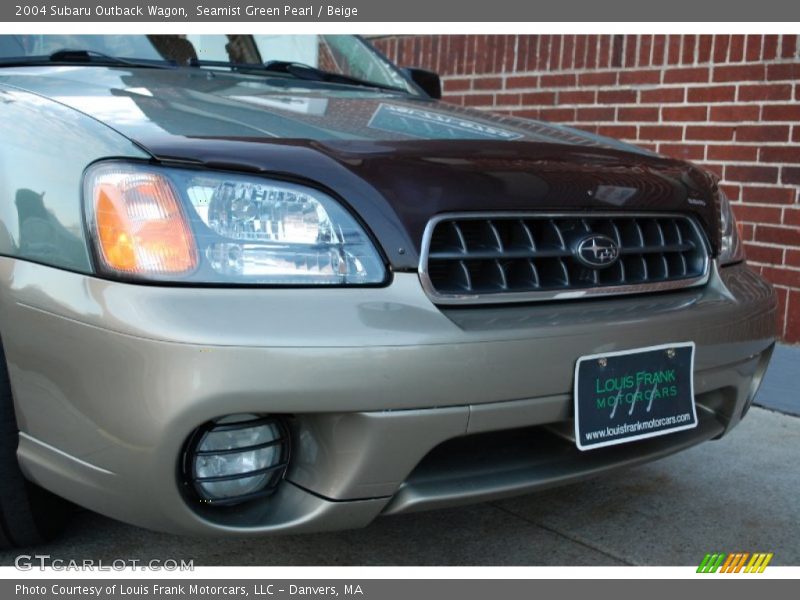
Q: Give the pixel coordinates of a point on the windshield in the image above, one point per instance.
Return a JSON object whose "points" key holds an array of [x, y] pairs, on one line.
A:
{"points": [[346, 55]]}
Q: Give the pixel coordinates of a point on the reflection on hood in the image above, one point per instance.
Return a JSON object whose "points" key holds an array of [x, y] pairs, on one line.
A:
{"points": [[196, 103]]}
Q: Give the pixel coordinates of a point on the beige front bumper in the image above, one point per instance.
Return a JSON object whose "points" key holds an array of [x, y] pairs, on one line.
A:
{"points": [[109, 380]]}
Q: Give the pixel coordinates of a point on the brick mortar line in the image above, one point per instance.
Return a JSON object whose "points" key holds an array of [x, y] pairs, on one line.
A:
{"points": [[722, 123], [661, 69], [761, 62], [649, 104], [780, 267], [771, 244], [652, 68], [556, 91], [637, 87], [605, 57], [703, 122], [667, 105]]}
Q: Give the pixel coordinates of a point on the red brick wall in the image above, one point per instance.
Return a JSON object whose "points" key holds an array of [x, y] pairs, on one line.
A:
{"points": [[730, 102]]}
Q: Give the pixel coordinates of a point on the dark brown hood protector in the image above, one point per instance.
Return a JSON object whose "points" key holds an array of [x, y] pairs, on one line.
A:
{"points": [[397, 186], [396, 159]]}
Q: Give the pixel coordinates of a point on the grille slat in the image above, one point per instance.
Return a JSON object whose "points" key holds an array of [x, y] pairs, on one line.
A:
{"points": [[498, 254], [522, 257]]}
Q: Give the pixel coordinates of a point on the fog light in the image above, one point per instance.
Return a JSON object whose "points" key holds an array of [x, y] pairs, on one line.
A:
{"points": [[236, 458]]}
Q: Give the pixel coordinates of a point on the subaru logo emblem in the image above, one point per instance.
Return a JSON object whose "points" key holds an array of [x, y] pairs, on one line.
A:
{"points": [[597, 251]]}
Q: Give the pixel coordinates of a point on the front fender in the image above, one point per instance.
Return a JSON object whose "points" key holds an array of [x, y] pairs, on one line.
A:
{"points": [[44, 150]]}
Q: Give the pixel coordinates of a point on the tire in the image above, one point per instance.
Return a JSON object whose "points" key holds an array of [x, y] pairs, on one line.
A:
{"points": [[29, 515]]}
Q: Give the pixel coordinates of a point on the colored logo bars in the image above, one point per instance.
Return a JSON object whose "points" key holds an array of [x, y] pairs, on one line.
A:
{"points": [[735, 563]]}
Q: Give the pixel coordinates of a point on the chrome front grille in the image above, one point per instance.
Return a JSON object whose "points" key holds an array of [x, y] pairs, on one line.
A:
{"points": [[505, 257]]}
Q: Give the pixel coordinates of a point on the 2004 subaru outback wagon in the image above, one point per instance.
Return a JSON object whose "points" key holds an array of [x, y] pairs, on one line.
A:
{"points": [[253, 284]]}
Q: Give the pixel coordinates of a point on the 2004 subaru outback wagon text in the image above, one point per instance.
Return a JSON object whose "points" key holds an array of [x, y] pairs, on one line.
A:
{"points": [[254, 284]]}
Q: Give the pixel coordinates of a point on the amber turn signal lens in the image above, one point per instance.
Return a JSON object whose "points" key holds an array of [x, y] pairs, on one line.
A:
{"points": [[139, 225]]}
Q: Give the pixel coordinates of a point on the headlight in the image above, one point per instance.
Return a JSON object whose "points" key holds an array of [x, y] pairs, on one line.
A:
{"points": [[731, 249], [202, 227]]}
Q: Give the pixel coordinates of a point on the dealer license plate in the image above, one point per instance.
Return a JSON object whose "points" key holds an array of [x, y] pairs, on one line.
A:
{"points": [[634, 394]]}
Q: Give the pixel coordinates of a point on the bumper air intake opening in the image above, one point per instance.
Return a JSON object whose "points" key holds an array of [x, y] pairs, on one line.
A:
{"points": [[490, 466]]}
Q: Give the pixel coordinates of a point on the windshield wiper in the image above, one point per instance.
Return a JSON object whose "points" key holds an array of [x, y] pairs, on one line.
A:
{"points": [[80, 57], [298, 71], [303, 71]]}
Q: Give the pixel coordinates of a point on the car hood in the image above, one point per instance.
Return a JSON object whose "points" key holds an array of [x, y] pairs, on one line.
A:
{"points": [[396, 159]]}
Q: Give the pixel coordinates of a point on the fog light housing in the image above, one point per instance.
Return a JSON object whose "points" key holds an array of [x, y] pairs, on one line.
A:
{"points": [[236, 458]]}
